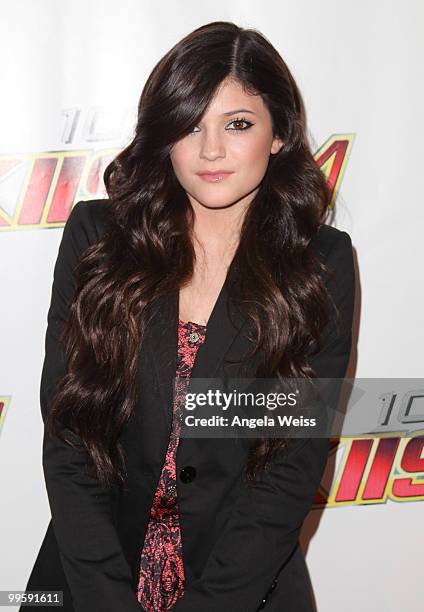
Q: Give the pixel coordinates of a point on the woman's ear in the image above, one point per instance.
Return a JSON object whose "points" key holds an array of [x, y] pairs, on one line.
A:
{"points": [[277, 143]]}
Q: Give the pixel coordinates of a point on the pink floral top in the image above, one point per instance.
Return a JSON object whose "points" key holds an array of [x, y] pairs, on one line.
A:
{"points": [[161, 576]]}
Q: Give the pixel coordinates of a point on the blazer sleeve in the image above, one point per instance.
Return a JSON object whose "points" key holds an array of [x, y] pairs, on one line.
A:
{"points": [[263, 528], [96, 570]]}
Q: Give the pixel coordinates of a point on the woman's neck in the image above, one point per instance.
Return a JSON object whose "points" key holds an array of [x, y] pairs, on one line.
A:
{"points": [[216, 231]]}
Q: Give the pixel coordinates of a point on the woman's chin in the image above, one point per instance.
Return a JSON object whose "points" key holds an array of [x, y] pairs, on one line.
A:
{"points": [[219, 202]]}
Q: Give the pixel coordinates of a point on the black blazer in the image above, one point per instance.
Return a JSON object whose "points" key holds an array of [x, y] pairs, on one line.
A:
{"points": [[240, 543]]}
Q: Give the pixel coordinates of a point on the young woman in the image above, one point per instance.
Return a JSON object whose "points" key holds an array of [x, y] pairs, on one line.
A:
{"points": [[211, 258]]}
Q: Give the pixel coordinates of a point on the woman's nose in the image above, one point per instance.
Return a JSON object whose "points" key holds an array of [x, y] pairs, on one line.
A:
{"points": [[212, 146]]}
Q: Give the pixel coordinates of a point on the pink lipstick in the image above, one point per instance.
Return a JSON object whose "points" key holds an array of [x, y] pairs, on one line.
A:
{"points": [[214, 177]]}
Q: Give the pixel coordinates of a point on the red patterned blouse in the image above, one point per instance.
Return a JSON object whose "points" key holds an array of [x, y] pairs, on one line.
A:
{"points": [[161, 576]]}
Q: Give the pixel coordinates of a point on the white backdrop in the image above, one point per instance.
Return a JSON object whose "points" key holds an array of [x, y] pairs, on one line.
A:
{"points": [[71, 75]]}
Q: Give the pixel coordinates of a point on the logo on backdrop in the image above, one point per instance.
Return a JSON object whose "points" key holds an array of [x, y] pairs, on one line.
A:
{"points": [[372, 470], [38, 190], [4, 404]]}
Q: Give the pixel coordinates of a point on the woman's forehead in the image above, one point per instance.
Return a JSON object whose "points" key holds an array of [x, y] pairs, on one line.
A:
{"points": [[231, 97]]}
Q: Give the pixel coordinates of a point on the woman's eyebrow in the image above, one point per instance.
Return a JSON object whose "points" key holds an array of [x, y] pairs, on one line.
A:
{"points": [[239, 110]]}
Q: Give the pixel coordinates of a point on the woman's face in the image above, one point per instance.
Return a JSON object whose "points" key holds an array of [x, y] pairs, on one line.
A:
{"points": [[234, 136]]}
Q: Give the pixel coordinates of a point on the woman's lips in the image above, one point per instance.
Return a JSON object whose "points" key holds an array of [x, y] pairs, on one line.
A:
{"points": [[213, 177]]}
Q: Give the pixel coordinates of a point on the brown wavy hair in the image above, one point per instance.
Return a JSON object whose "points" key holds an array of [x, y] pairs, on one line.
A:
{"points": [[147, 250]]}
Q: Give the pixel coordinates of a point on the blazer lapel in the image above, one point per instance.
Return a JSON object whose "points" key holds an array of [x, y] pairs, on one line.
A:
{"points": [[224, 326]]}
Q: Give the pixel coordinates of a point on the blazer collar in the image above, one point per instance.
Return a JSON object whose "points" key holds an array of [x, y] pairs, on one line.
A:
{"points": [[224, 326]]}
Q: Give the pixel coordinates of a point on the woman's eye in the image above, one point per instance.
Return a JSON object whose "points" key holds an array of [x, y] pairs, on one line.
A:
{"points": [[238, 126], [248, 124]]}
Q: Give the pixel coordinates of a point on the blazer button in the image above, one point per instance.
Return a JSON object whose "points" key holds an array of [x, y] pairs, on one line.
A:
{"points": [[187, 474], [273, 585]]}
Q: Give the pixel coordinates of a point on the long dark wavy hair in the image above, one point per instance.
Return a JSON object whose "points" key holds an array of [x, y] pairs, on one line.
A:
{"points": [[148, 249]]}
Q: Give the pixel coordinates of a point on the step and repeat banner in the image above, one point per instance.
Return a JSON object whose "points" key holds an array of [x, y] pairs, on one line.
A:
{"points": [[71, 76]]}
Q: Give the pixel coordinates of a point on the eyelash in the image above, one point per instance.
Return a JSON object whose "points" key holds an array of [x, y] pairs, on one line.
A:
{"points": [[243, 120], [238, 120]]}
